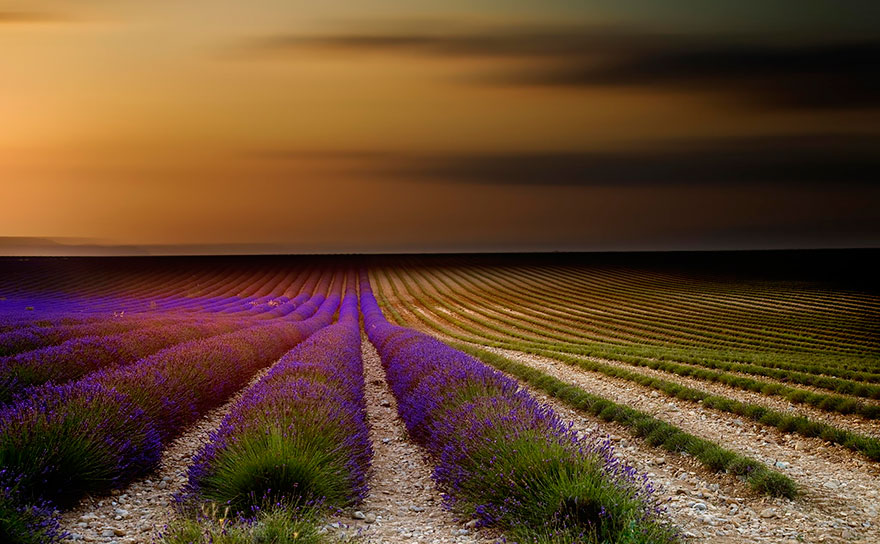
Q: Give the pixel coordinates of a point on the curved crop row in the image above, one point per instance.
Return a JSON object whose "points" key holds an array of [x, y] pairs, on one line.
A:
{"points": [[578, 321], [836, 365], [36, 337], [724, 296], [503, 457], [622, 302], [597, 314], [763, 364], [867, 445], [655, 431], [643, 425], [10, 321], [822, 401]]}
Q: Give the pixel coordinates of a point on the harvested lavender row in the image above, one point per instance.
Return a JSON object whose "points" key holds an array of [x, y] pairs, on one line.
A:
{"points": [[504, 458], [297, 437], [102, 431], [77, 357], [300, 432]]}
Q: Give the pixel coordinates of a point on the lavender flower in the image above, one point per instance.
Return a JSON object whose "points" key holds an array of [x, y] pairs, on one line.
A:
{"points": [[299, 434]]}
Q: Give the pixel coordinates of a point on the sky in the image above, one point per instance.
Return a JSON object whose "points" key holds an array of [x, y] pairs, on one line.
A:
{"points": [[197, 126]]}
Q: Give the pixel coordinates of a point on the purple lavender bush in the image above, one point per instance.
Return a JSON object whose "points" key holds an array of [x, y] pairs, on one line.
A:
{"points": [[67, 440], [504, 458], [177, 385], [297, 436], [35, 337], [100, 432], [296, 443], [35, 523], [80, 356]]}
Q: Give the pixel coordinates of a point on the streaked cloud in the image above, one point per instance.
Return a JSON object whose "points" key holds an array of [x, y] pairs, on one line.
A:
{"points": [[826, 75], [348, 126], [321, 154], [792, 160], [450, 38], [764, 73]]}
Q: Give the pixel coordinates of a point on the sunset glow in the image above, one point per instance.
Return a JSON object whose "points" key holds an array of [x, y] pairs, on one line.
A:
{"points": [[148, 126]]}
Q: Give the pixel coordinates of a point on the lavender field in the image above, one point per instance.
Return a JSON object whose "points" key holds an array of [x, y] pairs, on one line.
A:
{"points": [[435, 399]]}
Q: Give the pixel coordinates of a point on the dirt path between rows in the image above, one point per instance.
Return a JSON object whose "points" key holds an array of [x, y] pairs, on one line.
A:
{"points": [[403, 504], [854, 423]]}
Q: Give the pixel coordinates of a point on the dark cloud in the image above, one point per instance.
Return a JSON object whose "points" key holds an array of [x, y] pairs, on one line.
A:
{"points": [[835, 75], [768, 73], [796, 160], [526, 42]]}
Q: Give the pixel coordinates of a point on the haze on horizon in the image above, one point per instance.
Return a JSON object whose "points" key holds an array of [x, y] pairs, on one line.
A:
{"points": [[383, 125]]}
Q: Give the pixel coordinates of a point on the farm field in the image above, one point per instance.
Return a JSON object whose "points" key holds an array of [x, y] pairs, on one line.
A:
{"points": [[459, 398]]}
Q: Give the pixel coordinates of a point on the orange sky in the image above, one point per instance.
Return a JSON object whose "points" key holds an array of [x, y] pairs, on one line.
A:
{"points": [[153, 123]]}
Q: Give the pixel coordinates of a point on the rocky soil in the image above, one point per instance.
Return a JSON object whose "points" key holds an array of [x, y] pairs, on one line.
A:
{"points": [[841, 491], [852, 422]]}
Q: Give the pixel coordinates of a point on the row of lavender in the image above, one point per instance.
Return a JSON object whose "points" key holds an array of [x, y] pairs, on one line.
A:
{"points": [[23, 334], [78, 357], [39, 333], [37, 354], [296, 439], [42, 317], [71, 297], [58, 442], [501, 456]]}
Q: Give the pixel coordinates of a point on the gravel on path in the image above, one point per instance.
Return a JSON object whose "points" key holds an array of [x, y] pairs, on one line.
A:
{"points": [[841, 501], [403, 504], [139, 512], [851, 422]]}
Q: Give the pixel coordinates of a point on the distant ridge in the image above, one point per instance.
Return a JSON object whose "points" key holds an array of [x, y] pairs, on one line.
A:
{"points": [[35, 246]]}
